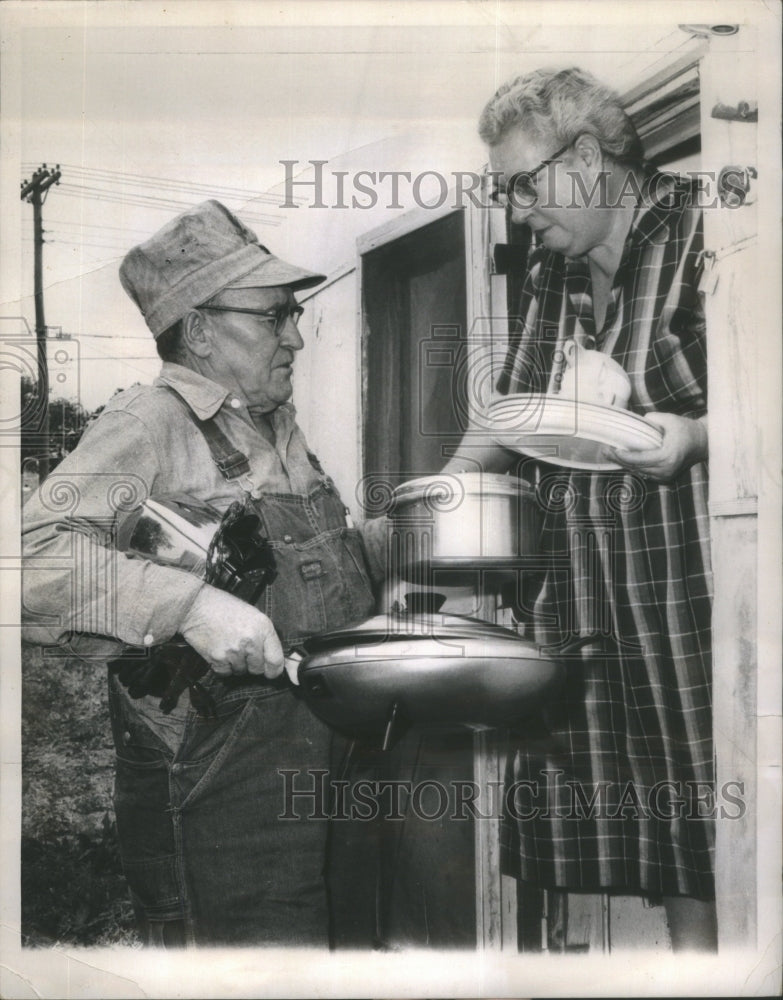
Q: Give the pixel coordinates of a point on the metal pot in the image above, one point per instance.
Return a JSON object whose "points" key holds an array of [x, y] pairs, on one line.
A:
{"points": [[418, 666], [463, 521]]}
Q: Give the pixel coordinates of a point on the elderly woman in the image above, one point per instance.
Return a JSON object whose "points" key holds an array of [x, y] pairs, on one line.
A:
{"points": [[618, 775]]}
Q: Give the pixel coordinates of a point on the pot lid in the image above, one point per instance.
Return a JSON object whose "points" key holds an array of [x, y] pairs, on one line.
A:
{"points": [[406, 626], [444, 491]]}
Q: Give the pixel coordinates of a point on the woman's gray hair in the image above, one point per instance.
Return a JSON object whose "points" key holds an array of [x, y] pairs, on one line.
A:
{"points": [[559, 105]]}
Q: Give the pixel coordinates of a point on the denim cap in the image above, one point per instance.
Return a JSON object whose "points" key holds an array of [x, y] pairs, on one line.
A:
{"points": [[197, 255]]}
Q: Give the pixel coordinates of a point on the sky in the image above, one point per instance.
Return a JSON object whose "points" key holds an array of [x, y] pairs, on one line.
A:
{"points": [[150, 109]]}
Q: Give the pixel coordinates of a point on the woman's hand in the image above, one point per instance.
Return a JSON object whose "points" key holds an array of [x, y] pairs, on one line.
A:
{"points": [[684, 443]]}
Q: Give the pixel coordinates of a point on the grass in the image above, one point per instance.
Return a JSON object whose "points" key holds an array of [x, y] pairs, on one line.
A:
{"points": [[73, 890]]}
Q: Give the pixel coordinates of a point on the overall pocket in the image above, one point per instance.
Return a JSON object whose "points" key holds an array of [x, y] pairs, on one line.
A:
{"points": [[322, 578], [295, 600], [348, 594], [146, 837], [353, 599]]}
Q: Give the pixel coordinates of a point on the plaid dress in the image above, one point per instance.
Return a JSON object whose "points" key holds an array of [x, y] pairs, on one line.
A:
{"points": [[612, 788]]}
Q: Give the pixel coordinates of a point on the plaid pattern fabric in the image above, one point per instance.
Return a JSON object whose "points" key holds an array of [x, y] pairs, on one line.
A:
{"points": [[613, 787]]}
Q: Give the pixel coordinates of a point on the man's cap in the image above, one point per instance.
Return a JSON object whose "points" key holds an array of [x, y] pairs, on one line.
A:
{"points": [[194, 257]]}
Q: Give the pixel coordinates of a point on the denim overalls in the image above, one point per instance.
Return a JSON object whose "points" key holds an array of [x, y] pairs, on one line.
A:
{"points": [[215, 847]]}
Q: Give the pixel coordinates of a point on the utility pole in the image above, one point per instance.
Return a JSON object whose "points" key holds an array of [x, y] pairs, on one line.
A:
{"points": [[33, 192]]}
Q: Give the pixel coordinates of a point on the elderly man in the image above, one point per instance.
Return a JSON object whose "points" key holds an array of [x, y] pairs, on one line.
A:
{"points": [[616, 269], [199, 796]]}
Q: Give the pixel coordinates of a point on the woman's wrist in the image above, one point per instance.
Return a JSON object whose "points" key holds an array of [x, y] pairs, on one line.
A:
{"points": [[701, 439]]}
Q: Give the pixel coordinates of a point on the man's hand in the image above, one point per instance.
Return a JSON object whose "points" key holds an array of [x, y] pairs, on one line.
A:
{"points": [[684, 443], [232, 636]]}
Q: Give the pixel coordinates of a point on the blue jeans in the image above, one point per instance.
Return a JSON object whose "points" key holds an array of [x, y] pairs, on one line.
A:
{"points": [[208, 858]]}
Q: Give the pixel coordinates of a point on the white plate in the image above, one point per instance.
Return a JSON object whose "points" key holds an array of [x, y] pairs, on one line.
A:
{"points": [[567, 432]]}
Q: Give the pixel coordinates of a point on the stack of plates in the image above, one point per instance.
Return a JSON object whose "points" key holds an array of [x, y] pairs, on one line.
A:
{"points": [[568, 432]]}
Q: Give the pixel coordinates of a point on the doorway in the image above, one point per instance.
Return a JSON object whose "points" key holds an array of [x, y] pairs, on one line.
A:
{"points": [[415, 326]]}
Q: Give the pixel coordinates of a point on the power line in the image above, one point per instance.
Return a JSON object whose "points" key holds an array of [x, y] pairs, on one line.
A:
{"points": [[78, 224], [177, 185], [162, 187], [110, 336], [76, 230], [121, 248], [151, 202]]}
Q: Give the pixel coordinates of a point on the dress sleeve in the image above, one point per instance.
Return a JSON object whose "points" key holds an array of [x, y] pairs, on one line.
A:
{"points": [[74, 580]]}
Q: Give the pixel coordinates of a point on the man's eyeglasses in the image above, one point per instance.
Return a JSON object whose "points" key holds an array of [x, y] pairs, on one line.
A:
{"points": [[520, 190], [275, 319]]}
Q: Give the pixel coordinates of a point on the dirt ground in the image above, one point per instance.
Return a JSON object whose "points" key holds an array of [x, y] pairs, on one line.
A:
{"points": [[73, 891]]}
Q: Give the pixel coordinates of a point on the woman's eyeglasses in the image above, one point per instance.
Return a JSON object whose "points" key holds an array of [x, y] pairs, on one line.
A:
{"points": [[275, 319], [520, 190]]}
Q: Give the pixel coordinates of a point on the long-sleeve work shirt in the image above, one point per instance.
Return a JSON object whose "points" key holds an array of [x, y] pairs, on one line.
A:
{"points": [[145, 443]]}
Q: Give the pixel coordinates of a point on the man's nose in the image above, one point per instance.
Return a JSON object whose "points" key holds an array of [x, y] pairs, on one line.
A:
{"points": [[290, 336]]}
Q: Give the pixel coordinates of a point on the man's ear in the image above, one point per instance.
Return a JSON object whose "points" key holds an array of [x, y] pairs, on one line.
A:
{"points": [[195, 334]]}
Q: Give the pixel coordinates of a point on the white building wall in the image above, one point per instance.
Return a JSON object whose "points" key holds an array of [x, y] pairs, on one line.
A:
{"points": [[327, 390]]}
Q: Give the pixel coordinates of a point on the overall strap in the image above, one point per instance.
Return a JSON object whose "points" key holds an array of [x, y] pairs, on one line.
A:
{"points": [[231, 462]]}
